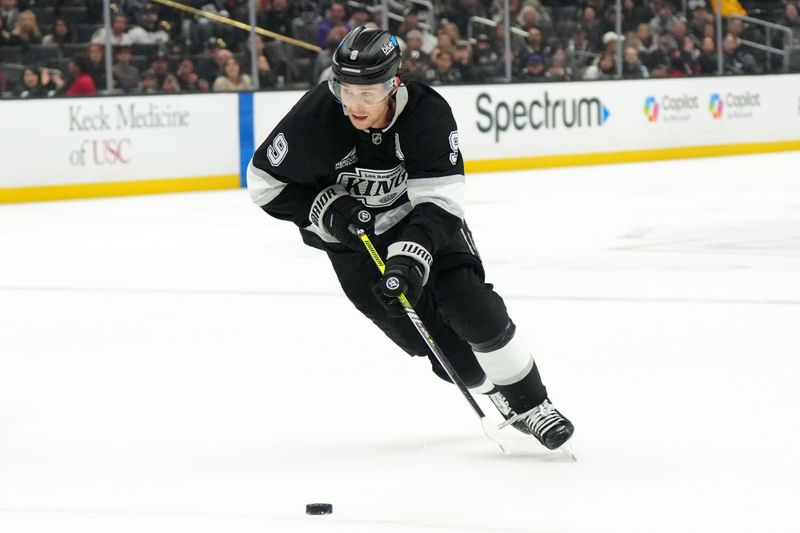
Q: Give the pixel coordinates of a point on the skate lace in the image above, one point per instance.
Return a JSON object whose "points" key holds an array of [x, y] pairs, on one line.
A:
{"points": [[542, 418]]}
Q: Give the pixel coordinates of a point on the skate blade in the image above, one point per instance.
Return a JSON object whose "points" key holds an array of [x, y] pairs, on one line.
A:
{"points": [[493, 434], [566, 449]]}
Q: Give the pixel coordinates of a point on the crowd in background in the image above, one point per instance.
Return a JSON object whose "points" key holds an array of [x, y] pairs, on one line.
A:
{"points": [[58, 47]]}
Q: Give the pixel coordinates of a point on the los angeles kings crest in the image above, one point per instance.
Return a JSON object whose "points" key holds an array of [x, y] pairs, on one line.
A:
{"points": [[375, 188]]}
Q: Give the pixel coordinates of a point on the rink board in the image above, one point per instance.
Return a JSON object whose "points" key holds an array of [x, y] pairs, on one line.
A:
{"points": [[77, 148], [87, 147]]}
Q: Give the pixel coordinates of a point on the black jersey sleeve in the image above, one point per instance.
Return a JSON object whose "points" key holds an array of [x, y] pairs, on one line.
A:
{"points": [[435, 173], [282, 176]]}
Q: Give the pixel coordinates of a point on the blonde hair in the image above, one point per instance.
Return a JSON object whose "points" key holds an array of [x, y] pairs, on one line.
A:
{"points": [[31, 16]]}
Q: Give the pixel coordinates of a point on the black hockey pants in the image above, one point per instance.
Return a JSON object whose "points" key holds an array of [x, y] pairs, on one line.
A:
{"points": [[457, 306]]}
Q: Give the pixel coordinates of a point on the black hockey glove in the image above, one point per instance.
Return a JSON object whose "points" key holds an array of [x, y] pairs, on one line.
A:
{"points": [[407, 268], [338, 214]]}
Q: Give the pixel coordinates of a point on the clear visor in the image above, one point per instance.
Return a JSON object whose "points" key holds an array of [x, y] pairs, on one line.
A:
{"points": [[350, 94]]}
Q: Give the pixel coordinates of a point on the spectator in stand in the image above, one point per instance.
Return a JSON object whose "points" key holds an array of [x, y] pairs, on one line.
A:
{"points": [[60, 33], [594, 31], [736, 28], [610, 42], [160, 66], [233, 79], [414, 41], [359, 16], [484, 57], [277, 18], [82, 83], [189, 80], [444, 68], [689, 57], [31, 84], [9, 12], [119, 35], [533, 13], [214, 55], [644, 34], [580, 51], [325, 57], [171, 84], [632, 67], [791, 16], [659, 62], [149, 83], [27, 29], [52, 80], [679, 31], [126, 75], [444, 42], [535, 70], [707, 60], [604, 69], [534, 44], [451, 28], [528, 18], [633, 14], [416, 68], [700, 18], [498, 41], [6, 37], [97, 66], [710, 31], [266, 74], [557, 70], [410, 23], [462, 59], [663, 21], [337, 17], [149, 31], [735, 60]]}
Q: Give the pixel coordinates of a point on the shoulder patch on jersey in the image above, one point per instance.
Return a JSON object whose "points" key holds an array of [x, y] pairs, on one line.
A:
{"points": [[277, 151], [350, 159], [454, 147]]}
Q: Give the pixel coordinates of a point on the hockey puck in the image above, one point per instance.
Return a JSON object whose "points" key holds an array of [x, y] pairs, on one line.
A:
{"points": [[319, 508]]}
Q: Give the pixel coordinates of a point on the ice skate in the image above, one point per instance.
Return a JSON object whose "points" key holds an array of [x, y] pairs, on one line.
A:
{"points": [[544, 422]]}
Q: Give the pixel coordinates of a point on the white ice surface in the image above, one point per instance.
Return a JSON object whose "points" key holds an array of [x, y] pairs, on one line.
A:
{"points": [[182, 363]]}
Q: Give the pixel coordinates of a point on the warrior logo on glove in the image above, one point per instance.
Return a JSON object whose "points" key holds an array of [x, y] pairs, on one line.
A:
{"points": [[393, 283]]}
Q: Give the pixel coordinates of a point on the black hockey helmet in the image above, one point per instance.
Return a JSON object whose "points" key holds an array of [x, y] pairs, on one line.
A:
{"points": [[365, 57]]}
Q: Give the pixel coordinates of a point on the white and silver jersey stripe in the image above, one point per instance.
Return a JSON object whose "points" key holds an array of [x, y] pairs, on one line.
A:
{"points": [[447, 192], [261, 186], [386, 220]]}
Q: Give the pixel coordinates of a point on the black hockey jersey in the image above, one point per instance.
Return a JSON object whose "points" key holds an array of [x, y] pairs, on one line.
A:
{"points": [[410, 175]]}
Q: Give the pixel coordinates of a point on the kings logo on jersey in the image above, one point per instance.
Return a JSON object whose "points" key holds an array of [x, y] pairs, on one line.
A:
{"points": [[376, 188]]}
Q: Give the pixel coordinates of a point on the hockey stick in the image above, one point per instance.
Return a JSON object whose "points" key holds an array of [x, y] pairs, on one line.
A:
{"points": [[489, 429]]}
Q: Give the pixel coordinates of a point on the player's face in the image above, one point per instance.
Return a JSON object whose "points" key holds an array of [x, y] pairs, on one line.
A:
{"points": [[367, 105]]}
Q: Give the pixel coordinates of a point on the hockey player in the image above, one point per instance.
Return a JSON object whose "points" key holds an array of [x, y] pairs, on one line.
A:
{"points": [[367, 151]]}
